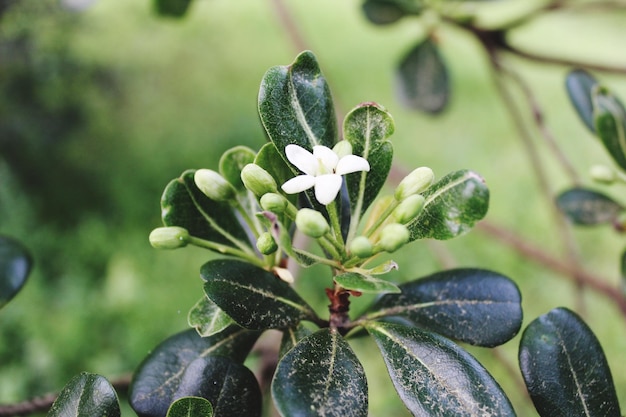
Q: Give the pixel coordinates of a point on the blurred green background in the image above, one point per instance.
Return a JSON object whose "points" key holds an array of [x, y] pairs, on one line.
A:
{"points": [[101, 107]]}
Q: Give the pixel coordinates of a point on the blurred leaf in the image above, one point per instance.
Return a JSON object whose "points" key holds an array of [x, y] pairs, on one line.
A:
{"points": [[384, 12], [623, 272], [86, 395], [587, 207], [453, 205], [207, 318], [232, 162], [253, 297], [474, 306], [231, 388], [157, 379], [435, 377], [190, 407], [291, 336], [15, 265], [565, 369], [580, 84], [172, 8], [320, 376], [422, 79], [365, 283], [610, 123]]}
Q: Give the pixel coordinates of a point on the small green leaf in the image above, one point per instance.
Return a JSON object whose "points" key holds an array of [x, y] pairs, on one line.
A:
{"points": [[172, 8], [422, 79], [86, 395], [475, 306], [384, 12], [207, 318], [610, 122], [157, 379], [435, 377], [320, 376], [15, 265], [579, 84], [190, 407], [587, 207], [232, 162], [365, 283], [565, 369], [253, 297], [453, 205]]}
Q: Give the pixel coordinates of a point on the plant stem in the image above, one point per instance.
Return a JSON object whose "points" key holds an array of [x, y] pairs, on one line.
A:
{"points": [[226, 250]]}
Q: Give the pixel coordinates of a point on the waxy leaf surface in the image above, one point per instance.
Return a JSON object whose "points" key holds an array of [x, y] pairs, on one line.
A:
{"points": [[86, 395], [15, 265], [191, 407], [565, 369], [587, 207], [207, 318], [365, 283], [580, 84]]}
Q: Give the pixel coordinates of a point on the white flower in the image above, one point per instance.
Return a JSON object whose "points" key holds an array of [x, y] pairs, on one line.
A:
{"points": [[322, 169]]}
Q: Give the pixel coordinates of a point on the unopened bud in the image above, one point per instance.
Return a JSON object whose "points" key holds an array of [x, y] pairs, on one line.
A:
{"points": [[273, 202], [416, 182], [342, 148], [172, 237], [393, 237], [266, 244], [409, 208], [213, 185], [258, 180], [312, 223], [602, 174], [361, 247]]}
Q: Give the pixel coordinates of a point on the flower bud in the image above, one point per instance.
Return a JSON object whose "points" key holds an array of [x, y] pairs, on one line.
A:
{"points": [[361, 247], [602, 174], [312, 223], [213, 185], [416, 182], [393, 237], [409, 208], [273, 202], [266, 244], [342, 148], [172, 237], [258, 180]]}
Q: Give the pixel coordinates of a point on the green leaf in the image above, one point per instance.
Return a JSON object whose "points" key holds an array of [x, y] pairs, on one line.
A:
{"points": [[320, 377], [579, 85], [453, 205], [365, 283], [422, 79], [86, 395], [610, 122], [15, 265], [254, 298], [232, 162], [474, 306], [157, 379], [190, 407], [384, 12], [296, 106], [291, 337], [270, 160], [587, 207], [207, 318], [435, 377], [172, 8], [565, 369]]}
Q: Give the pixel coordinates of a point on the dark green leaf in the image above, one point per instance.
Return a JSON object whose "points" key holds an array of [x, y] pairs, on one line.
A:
{"points": [[435, 377], [453, 205], [296, 106], [172, 8], [475, 306], [320, 377], [157, 379], [565, 369], [253, 297], [86, 395], [365, 283], [384, 12], [610, 122], [291, 337], [422, 79], [190, 407], [15, 265], [207, 318], [587, 207], [579, 84], [232, 162]]}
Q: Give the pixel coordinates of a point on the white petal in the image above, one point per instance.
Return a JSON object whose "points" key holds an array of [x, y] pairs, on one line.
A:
{"points": [[327, 187], [302, 159], [328, 158], [351, 163], [298, 184]]}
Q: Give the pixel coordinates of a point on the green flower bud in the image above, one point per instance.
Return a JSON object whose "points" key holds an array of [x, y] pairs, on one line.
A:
{"points": [[342, 148], [273, 202], [602, 174], [312, 223], [258, 180], [361, 247], [169, 237], [393, 237], [266, 244], [416, 182], [213, 185], [409, 208]]}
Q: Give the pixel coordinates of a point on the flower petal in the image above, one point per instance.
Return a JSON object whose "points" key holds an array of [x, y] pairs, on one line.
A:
{"points": [[351, 163], [326, 188], [298, 184], [302, 159], [327, 157]]}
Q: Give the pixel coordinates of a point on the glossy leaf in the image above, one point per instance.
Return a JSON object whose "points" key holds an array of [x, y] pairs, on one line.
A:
{"points": [[296, 106], [172, 8], [207, 318], [422, 79], [320, 377], [15, 265], [610, 122], [565, 369], [253, 297], [435, 377], [157, 380], [291, 337], [365, 283], [384, 12], [453, 205], [587, 207], [86, 395], [190, 407], [580, 84], [474, 306], [232, 162]]}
